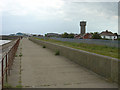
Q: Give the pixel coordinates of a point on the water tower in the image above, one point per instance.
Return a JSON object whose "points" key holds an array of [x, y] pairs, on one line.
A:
{"points": [[83, 27]]}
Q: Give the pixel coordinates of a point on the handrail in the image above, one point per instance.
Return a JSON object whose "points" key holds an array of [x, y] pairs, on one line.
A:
{"points": [[7, 61]]}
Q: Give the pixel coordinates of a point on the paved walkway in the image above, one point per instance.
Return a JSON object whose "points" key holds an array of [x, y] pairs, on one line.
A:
{"points": [[41, 68]]}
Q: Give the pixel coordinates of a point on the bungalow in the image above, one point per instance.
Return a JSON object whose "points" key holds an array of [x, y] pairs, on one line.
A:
{"points": [[78, 36], [84, 36], [108, 35], [87, 36]]}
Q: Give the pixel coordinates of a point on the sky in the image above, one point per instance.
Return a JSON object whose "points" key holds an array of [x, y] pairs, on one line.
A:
{"points": [[57, 16]]}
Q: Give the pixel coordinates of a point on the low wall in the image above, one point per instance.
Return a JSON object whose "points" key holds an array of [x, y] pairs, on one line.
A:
{"points": [[9, 37], [102, 65], [6, 47]]}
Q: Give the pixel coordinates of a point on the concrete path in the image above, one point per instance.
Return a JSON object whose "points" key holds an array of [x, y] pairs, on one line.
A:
{"points": [[40, 68]]}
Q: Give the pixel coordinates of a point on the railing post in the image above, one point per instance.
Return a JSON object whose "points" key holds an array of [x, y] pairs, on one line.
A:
{"points": [[6, 68], [2, 72], [9, 63]]}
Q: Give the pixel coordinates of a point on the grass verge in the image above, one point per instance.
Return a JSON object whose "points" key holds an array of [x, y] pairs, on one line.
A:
{"points": [[98, 49]]}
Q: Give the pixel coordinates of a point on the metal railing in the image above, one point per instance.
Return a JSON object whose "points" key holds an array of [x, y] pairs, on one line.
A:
{"points": [[7, 61]]}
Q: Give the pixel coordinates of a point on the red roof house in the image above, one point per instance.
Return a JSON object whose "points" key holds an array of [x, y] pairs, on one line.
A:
{"points": [[87, 36]]}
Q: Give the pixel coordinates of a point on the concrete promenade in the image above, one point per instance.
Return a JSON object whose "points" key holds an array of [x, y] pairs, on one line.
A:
{"points": [[40, 68]]}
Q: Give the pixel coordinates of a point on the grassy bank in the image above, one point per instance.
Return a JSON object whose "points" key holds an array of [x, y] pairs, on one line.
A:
{"points": [[99, 49]]}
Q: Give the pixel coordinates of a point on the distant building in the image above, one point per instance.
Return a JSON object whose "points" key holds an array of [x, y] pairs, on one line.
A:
{"points": [[52, 35], [19, 34], [108, 35], [83, 27], [83, 34], [76, 36], [87, 36]]}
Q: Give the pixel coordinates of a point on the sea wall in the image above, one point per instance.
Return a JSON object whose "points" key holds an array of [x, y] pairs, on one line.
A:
{"points": [[103, 65], [5, 37], [5, 47]]}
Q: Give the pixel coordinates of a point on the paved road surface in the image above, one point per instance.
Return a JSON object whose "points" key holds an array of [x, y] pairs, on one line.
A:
{"points": [[41, 68]]}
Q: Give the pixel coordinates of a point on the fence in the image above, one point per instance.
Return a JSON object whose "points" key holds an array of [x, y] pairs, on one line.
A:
{"points": [[7, 61], [110, 43]]}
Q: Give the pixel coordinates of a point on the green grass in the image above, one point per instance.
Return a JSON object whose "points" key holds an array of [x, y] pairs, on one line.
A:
{"points": [[20, 55], [6, 85], [19, 81], [19, 86], [98, 49]]}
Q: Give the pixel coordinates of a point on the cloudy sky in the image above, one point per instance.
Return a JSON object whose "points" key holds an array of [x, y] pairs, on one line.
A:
{"points": [[58, 16]]}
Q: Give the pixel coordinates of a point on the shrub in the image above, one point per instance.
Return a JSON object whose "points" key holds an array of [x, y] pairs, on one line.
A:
{"points": [[44, 46], [96, 35], [57, 53], [20, 55]]}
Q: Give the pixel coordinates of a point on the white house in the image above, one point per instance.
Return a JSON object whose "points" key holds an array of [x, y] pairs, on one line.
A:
{"points": [[108, 35]]}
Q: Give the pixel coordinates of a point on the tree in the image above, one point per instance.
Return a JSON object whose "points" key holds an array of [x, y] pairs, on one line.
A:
{"points": [[45, 35], [71, 35], [96, 35], [34, 35], [91, 33], [65, 35], [116, 34]]}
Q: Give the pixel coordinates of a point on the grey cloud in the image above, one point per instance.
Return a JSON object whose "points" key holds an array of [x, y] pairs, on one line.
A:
{"points": [[108, 8], [71, 14]]}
